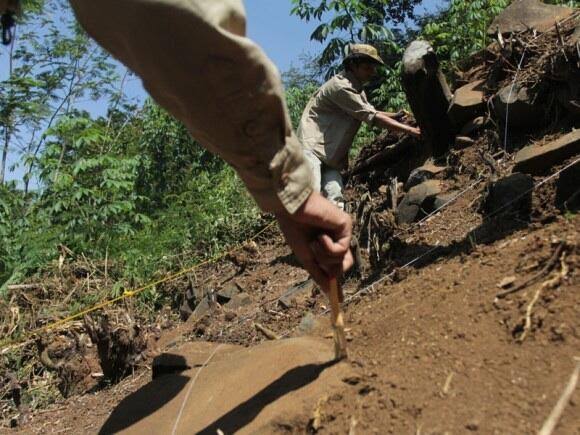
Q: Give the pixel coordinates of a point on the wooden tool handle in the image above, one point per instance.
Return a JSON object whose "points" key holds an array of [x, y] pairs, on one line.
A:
{"points": [[334, 300], [337, 321]]}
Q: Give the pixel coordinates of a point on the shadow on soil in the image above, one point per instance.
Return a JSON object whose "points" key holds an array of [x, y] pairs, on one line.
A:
{"points": [[156, 394], [421, 255], [245, 412]]}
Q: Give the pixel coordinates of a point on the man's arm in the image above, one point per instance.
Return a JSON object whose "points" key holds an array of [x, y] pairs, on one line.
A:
{"points": [[383, 120], [196, 62]]}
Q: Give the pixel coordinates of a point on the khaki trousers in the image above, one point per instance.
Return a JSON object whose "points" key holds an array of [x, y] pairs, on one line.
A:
{"points": [[325, 179]]}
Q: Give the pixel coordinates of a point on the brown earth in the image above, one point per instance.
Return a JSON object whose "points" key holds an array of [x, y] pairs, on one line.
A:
{"points": [[433, 353]]}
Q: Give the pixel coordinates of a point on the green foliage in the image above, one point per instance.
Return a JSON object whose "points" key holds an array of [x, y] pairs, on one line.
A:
{"points": [[89, 193], [297, 98], [169, 157], [52, 64], [352, 21], [462, 29]]}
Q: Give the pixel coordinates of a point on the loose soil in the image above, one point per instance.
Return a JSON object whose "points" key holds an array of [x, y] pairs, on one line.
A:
{"points": [[433, 353]]}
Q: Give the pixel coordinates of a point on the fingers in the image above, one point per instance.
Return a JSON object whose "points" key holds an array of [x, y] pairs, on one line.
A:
{"points": [[319, 233], [319, 275], [329, 246]]}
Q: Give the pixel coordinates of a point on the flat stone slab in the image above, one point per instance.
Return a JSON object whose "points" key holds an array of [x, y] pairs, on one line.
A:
{"points": [[419, 198], [423, 173], [467, 103], [528, 14], [244, 390], [536, 159]]}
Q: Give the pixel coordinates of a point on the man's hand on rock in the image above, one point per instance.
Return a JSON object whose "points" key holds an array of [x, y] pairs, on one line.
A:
{"points": [[319, 233]]}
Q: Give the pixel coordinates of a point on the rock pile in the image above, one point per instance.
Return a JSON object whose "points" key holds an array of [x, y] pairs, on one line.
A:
{"points": [[519, 102]]}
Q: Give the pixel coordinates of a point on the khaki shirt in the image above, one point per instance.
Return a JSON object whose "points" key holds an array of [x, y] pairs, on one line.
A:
{"points": [[195, 61], [332, 118]]}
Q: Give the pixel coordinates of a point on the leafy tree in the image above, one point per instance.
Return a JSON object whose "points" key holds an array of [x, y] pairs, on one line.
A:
{"points": [[52, 67], [353, 21], [169, 157], [89, 192]]}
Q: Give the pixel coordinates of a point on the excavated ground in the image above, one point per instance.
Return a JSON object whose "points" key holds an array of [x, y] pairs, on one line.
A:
{"points": [[433, 353]]}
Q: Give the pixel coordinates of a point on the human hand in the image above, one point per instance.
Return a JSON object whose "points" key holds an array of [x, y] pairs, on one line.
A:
{"points": [[319, 233], [415, 132]]}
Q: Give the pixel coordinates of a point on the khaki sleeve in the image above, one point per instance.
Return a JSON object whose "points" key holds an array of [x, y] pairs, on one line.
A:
{"points": [[352, 102], [195, 61]]}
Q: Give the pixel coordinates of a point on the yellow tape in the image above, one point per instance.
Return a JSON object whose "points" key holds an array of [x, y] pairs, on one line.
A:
{"points": [[5, 344]]}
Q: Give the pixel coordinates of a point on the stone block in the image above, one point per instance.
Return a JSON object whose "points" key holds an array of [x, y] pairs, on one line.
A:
{"points": [[523, 112], [538, 159], [511, 194], [467, 103], [568, 188], [428, 95], [418, 200], [521, 15], [421, 174]]}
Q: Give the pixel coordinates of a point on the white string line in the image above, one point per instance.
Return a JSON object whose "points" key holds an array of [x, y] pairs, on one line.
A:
{"points": [[191, 384], [437, 246], [370, 286]]}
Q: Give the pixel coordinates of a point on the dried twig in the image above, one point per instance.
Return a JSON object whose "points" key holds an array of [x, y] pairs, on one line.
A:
{"points": [[268, 333], [551, 283], [528, 324], [31, 286], [546, 269], [554, 417], [447, 385]]}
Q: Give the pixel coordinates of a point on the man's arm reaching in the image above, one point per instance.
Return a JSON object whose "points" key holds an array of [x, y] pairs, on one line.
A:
{"points": [[383, 120]]}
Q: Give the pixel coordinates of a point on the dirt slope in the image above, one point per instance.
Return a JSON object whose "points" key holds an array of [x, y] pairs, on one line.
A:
{"points": [[433, 353]]}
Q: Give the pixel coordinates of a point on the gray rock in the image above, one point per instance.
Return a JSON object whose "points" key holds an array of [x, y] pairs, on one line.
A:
{"points": [[428, 95], [442, 199], [227, 293], [291, 295], [312, 325], [191, 299], [518, 103], [528, 14], [467, 103], [202, 308], [239, 300], [417, 201], [421, 174], [536, 159], [512, 194]]}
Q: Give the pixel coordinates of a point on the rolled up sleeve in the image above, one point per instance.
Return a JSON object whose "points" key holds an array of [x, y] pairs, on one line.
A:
{"points": [[195, 61]]}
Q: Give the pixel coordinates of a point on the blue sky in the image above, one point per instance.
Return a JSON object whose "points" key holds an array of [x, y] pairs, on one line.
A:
{"points": [[284, 38]]}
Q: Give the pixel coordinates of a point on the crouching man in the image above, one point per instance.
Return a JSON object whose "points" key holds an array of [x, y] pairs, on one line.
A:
{"points": [[333, 116]]}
